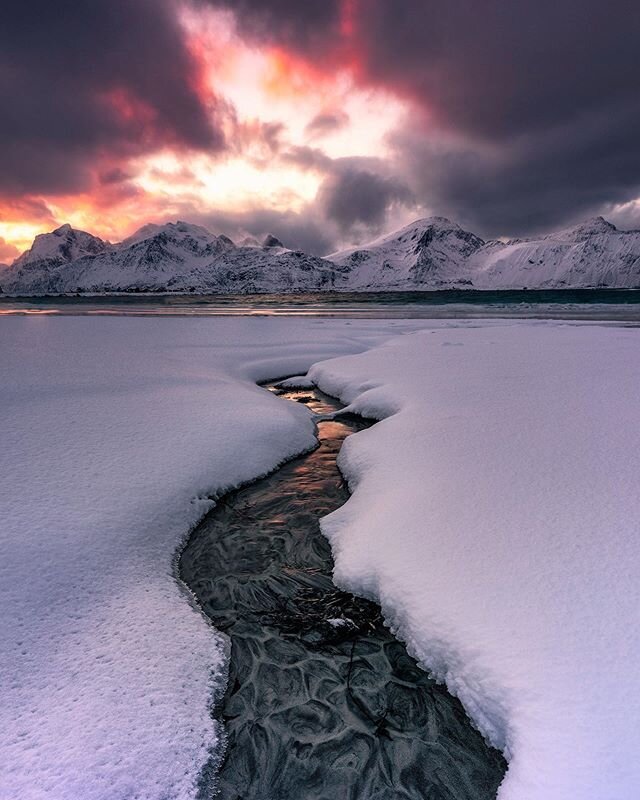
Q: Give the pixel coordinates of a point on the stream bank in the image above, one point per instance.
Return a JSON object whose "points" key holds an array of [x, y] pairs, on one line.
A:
{"points": [[323, 702]]}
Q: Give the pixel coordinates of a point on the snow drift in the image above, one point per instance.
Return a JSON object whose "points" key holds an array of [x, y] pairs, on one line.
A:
{"points": [[495, 515], [115, 431]]}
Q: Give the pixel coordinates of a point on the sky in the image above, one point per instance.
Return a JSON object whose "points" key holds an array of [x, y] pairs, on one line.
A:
{"points": [[324, 122]]}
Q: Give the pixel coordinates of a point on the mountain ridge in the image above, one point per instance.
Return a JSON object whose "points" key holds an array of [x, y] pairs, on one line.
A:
{"points": [[427, 254]]}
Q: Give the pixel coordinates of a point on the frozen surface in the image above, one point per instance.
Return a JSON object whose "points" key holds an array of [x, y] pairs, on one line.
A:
{"points": [[495, 515], [114, 431]]}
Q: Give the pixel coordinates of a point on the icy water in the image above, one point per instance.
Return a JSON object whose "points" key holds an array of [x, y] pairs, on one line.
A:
{"points": [[598, 304], [323, 703]]}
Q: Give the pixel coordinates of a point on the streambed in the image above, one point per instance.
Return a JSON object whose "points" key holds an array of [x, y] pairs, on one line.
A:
{"points": [[323, 702]]}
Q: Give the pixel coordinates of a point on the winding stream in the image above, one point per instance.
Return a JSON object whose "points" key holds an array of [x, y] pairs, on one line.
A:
{"points": [[323, 702]]}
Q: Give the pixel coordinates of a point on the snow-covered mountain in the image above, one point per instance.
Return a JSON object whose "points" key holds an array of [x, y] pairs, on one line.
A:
{"points": [[435, 253], [33, 271], [593, 254], [431, 253], [176, 257], [61, 246]]}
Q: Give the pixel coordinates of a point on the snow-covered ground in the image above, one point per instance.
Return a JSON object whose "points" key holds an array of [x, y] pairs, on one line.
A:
{"points": [[496, 515], [113, 432]]}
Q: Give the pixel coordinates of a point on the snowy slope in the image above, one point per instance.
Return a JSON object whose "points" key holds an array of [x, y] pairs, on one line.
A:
{"points": [[114, 433], [435, 253], [176, 257], [592, 254], [36, 268], [61, 246], [428, 253], [495, 515]]}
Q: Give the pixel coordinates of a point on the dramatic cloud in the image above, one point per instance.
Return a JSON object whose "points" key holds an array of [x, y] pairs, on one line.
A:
{"points": [[305, 27], [8, 252], [326, 122], [626, 216], [352, 196], [305, 230], [80, 81], [308, 158], [526, 113]]}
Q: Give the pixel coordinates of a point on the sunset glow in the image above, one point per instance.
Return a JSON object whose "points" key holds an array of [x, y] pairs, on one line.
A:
{"points": [[251, 118]]}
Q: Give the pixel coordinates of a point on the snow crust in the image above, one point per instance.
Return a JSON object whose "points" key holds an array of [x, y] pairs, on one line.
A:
{"points": [[495, 516], [115, 433]]}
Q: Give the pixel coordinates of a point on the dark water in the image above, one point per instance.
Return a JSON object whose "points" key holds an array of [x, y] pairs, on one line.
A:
{"points": [[323, 703], [615, 304]]}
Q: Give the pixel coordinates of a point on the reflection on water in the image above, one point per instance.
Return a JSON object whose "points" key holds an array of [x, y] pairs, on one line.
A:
{"points": [[615, 304], [323, 703]]}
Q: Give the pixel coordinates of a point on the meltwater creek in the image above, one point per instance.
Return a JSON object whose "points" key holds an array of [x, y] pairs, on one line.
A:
{"points": [[323, 702]]}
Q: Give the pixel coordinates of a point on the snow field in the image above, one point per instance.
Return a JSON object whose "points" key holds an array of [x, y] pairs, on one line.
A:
{"points": [[495, 517], [115, 432]]}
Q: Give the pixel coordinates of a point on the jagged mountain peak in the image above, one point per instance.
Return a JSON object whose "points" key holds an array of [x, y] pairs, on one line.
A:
{"points": [[174, 230], [428, 253], [431, 250], [249, 241], [64, 244], [595, 226], [271, 241]]}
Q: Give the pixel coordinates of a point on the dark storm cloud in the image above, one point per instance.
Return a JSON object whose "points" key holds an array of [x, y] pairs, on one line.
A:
{"points": [[352, 196], [305, 230], [82, 80], [113, 176], [356, 193], [532, 183], [301, 25], [308, 158], [527, 113], [327, 122]]}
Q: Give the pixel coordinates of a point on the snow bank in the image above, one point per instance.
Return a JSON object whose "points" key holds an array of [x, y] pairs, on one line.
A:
{"points": [[495, 515], [114, 432]]}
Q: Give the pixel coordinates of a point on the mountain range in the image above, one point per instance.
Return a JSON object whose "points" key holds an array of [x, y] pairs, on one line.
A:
{"points": [[430, 253]]}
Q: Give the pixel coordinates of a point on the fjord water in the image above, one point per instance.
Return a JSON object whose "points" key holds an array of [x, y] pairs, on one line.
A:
{"points": [[322, 701], [605, 304]]}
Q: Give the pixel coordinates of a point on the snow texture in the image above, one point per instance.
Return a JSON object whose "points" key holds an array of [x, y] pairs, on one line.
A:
{"points": [[115, 433], [495, 516], [431, 253]]}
